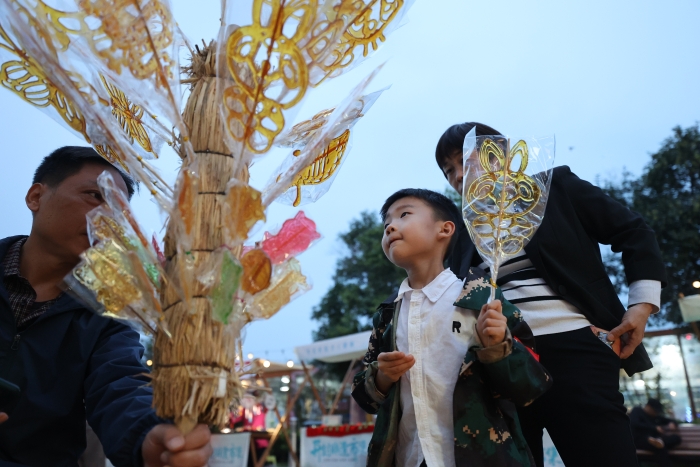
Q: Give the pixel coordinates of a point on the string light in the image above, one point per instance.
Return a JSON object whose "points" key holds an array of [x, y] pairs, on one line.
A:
{"points": [[266, 363], [290, 364], [149, 362], [284, 388]]}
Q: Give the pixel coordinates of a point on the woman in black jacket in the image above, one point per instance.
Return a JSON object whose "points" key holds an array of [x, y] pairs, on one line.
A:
{"points": [[560, 284]]}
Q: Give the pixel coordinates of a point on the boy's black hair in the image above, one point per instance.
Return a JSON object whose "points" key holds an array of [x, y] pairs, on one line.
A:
{"points": [[444, 209], [453, 139], [69, 160]]}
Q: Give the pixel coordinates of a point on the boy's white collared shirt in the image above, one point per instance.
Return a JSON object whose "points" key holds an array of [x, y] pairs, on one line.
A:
{"points": [[438, 335]]}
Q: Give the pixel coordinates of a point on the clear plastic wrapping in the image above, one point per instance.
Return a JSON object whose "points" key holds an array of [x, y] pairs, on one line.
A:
{"points": [[504, 193], [281, 51], [120, 274], [287, 283], [336, 124], [107, 72], [315, 180]]}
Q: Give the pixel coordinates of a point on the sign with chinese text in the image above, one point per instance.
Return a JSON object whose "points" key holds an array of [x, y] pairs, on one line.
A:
{"points": [[230, 450]]}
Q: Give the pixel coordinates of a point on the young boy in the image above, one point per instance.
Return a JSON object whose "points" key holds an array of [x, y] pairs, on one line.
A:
{"points": [[443, 375]]}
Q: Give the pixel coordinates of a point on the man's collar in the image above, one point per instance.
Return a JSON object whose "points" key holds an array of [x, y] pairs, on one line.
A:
{"points": [[11, 259], [435, 289]]}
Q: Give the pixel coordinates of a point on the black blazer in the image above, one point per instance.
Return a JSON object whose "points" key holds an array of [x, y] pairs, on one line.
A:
{"points": [[565, 251]]}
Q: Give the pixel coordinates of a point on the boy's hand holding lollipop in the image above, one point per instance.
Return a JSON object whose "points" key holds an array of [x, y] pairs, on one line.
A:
{"points": [[491, 324]]}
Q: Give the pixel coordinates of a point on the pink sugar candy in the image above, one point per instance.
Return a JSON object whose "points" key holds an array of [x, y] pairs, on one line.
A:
{"points": [[294, 237]]}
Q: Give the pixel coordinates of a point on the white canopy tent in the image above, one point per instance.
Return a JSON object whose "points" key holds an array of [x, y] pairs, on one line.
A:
{"points": [[690, 308], [338, 349]]}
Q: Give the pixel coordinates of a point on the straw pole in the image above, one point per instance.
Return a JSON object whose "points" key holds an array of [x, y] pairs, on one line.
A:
{"points": [[194, 379]]}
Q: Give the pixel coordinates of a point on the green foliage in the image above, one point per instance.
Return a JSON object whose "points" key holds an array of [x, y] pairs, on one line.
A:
{"points": [[667, 195], [454, 196], [364, 278]]}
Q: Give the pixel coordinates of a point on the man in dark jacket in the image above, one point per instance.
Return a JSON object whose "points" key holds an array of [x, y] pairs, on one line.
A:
{"points": [[559, 283], [69, 363], [654, 432]]}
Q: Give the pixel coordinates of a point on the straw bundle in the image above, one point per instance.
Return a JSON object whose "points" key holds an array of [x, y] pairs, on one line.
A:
{"points": [[194, 378]]}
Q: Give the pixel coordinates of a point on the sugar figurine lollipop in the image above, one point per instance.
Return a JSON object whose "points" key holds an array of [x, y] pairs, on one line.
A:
{"points": [[504, 194]]}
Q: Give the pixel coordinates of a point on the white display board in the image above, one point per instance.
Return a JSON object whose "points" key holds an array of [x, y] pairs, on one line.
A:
{"points": [[230, 450], [351, 450], [334, 451]]}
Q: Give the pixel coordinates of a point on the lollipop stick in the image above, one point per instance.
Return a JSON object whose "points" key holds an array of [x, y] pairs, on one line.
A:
{"points": [[492, 295], [492, 280]]}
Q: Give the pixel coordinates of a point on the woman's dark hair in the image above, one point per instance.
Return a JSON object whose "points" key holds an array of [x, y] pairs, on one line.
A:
{"points": [[69, 160], [444, 209], [453, 139]]}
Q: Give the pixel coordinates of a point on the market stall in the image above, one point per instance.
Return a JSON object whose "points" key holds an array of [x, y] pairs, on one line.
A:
{"points": [[258, 372], [339, 349], [340, 445]]}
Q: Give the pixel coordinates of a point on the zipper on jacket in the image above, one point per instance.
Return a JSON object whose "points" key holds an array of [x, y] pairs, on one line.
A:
{"points": [[15, 342]]}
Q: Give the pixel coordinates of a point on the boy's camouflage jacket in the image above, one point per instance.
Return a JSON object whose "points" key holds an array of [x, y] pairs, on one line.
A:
{"points": [[492, 381]]}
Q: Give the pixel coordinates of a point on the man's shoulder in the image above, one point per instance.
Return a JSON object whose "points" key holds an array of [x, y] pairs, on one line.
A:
{"points": [[89, 325], [564, 178], [561, 170]]}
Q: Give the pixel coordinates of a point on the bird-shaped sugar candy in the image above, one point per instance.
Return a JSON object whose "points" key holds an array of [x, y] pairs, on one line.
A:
{"points": [[294, 237]]}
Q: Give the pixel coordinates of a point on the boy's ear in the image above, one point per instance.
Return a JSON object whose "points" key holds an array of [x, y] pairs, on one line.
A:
{"points": [[447, 229]]}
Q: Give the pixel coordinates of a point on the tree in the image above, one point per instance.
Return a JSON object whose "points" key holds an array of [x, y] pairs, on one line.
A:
{"points": [[364, 278], [667, 195]]}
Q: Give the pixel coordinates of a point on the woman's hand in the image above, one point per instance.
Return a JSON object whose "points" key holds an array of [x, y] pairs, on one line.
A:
{"points": [[491, 325]]}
